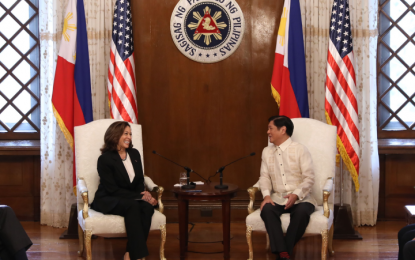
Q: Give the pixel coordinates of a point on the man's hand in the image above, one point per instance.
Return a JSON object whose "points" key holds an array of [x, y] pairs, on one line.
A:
{"points": [[267, 199], [146, 196], [292, 198]]}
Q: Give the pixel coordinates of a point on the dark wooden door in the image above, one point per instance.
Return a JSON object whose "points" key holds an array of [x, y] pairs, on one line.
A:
{"points": [[204, 115]]}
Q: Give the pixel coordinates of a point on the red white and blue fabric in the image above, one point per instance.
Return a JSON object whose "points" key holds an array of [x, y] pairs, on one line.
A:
{"points": [[341, 93], [289, 83], [121, 70], [71, 97]]}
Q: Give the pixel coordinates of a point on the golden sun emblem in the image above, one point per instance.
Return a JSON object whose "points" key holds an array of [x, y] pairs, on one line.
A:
{"points": [[207, 25], [283, 23], [67, 26]]}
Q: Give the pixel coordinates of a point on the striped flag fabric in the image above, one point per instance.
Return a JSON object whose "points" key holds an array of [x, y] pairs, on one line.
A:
{"points": [[289, 83], [341, 93], [71, 97], [121, 70]]}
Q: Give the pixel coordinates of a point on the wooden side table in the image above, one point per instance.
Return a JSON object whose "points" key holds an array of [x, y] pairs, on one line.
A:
{"points": [[207, 193], [410, 214]]}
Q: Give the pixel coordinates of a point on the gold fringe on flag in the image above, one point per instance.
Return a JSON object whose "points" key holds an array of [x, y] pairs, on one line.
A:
{"points": [[276, 95], [62, 126], [345, 157]]}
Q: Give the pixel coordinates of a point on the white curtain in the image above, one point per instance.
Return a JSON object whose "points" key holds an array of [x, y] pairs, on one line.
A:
{"points": [[56, 155], [363, 15]]}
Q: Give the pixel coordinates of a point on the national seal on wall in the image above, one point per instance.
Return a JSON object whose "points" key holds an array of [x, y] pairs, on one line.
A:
{"points": [[207, 31]]}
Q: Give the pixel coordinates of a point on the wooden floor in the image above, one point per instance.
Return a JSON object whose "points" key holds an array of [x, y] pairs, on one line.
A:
{"points": [[378, 242]]}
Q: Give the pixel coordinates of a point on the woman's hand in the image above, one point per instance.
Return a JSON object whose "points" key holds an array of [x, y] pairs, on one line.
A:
{"points": [[153, 201], [146, 195]]}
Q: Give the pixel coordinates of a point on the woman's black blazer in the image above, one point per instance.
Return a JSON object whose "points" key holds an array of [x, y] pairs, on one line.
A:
{"points": [[114, 180]]}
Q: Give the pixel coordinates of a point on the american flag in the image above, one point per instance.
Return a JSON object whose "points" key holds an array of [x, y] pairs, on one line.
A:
{"points": [[341, 92], [121, 70]]}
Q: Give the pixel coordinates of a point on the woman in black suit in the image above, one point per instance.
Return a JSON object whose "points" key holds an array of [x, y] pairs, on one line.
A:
{"points": [[121, 189]]}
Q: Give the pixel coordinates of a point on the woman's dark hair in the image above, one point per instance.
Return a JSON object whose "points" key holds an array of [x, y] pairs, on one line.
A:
{"points": [[112, 136], [280, 121]]}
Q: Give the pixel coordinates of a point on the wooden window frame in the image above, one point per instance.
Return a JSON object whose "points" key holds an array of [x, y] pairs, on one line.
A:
{"points": [[410, 131], [11, 135]]}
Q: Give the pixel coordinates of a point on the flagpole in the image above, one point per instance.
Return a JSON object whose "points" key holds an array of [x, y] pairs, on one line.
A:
{"points": [[341, 181]]}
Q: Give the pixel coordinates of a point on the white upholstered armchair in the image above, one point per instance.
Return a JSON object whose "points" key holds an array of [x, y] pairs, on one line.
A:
{"points": [[89, 139], [320, 139]]}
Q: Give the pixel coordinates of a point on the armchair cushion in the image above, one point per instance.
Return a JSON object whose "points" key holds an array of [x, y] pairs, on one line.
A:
{"points": [[318, 221], [113, 224]]}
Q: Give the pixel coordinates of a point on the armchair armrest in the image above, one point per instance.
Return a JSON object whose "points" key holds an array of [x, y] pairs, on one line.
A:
{"points": [[251, 191], [328, 187], [151, 186], [83, 191]]}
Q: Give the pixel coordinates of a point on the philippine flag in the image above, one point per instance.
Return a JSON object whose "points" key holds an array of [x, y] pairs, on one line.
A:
{"points": [[289, 84], [71, 98]]}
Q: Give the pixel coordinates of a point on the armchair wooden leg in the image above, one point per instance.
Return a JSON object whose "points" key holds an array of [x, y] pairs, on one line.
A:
{"points": [[88, 235], [249, 240], [81, 241], [162, 241], [324, 238], [267, 246], [330, 242]]}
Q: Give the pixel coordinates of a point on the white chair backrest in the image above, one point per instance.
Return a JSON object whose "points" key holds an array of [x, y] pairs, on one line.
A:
{"points": [[320, 139], [89, 139]]}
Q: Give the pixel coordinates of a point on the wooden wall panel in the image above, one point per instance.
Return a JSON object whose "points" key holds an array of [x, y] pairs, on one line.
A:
{"points": [[204, 115], [399, 184], [20, 185]]}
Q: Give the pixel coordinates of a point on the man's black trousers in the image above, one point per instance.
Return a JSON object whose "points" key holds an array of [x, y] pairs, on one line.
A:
{"points": [[137, 217], [406, 243], [13, 238], [299, 218]]}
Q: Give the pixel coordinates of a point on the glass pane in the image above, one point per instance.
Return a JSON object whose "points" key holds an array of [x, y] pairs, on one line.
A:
{"points": [[407, 84], [34, 58], [383, 113], [9, 87], [23, 72], [9, 57], [25, 127], [395, 125], [22, 11], [2, 130], [394, 8], [410, 2], [1, 11], [384, 84], [25, 101], [394, 99], [384, 23], [394, 69], [407, 114], [9, 26], [394, 38], [408, 23], [382, 1], [10, 116], [8, 3], [408, 53], [2, 102], [2, 42], [35, 116], [384, 53], [23, 41], [2, 71]]}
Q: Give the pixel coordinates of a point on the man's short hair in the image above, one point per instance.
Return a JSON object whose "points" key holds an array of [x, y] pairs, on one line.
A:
{"points": [[280, 121]]}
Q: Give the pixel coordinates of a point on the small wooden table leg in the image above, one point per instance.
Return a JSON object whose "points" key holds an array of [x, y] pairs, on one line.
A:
{"points": [[226, 219], [183, 225]]}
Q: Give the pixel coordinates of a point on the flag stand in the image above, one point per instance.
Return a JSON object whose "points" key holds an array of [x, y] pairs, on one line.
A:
{"points": [[343, 221], [72, 231]]}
